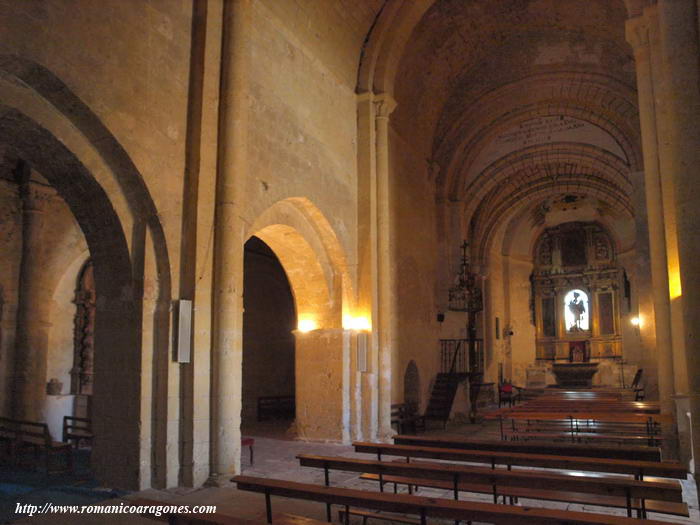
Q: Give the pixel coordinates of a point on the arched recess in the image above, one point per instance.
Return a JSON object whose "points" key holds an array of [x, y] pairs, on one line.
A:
{"points": [[269, 322], [47, 125], [507, 247], [306, 246], [117, 417]]}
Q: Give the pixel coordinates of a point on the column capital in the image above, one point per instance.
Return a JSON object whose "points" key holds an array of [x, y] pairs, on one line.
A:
{"points": [[637, 33], [35, 195], [384, 105]]}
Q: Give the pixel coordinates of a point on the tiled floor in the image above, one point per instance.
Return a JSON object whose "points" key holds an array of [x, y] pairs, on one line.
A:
{"points": [[276, 457]]}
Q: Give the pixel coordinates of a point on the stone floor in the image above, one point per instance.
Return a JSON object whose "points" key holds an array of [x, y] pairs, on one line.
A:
{"points": [[275, 456]]}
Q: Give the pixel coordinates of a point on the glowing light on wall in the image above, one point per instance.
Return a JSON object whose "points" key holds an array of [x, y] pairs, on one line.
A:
{"points": [[636, 321], [356, 323], [306, 325], [674, 284]]}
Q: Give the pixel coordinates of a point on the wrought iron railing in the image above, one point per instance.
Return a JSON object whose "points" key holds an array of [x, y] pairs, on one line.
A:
{"points": [[461, 356]]}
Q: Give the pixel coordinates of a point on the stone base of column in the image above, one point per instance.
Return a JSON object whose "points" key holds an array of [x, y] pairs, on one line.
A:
{"points": [[219, 480], [386, 435], [685, 452]]}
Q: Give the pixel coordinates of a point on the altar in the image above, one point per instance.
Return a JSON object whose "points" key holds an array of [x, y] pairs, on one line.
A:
{"points": [[574, 375]]}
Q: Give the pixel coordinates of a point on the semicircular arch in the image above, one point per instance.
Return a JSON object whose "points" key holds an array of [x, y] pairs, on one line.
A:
{"points": [[311, 255]]}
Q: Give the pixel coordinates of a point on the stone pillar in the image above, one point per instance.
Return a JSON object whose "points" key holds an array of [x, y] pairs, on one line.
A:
{"points": [[638, 37], [366, 397], [32, 337], [680, 49], [322, 359], [229, 238], [386, 265]]}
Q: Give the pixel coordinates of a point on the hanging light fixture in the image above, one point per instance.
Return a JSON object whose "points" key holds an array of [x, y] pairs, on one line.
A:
{"points": [[465, 296]]}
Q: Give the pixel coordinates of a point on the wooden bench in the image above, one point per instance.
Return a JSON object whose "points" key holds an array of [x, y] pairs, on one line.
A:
{"points": [[29, 435], [558, 449], [497, 480], [77, 430], [404, 415], [638, 469], [9, 436], [583, 426], [630, 407], [582, 437], [426, 507], [276, 407], [615, 417], [580, 426], [366, 514], [513, 493], [216, 518]]}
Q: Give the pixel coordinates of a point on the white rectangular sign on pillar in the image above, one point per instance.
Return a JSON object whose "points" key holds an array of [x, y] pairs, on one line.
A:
{"points": [[184, 330]]}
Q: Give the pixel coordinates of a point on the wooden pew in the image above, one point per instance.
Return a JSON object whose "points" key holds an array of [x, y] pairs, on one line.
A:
{"points": [[426, 507], [216, 518], [558, 449], [34, 436], [513, 493], [500, 478], [581, 415], [577, 406], [77, 430], [9, 436], [613, 427], [638, 469], [404, 415]]}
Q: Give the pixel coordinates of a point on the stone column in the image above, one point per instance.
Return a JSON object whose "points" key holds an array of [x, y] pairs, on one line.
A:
{"points": [[365, 414], [386, 265], [680, 50], [32, 337], [638, 37], [229, 239]]}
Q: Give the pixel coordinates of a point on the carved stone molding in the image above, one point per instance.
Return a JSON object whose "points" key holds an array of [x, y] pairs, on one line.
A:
{"points": [[384, 105], [637, 32]]}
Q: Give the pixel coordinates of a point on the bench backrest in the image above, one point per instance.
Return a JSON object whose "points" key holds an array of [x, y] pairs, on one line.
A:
{"points": [[559, 415], [77, 426], [429, 507], [665, 491], [8, 428], [666, 469], [34, 432], [400, 411], [559, 449]]}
